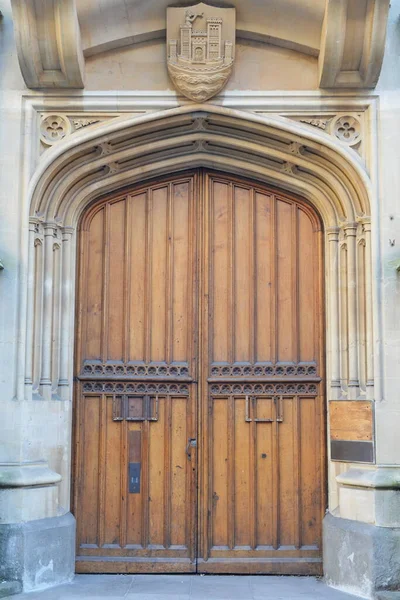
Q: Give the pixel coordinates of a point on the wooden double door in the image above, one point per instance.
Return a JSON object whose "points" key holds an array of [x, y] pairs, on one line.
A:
{"points": [[199, 437]]}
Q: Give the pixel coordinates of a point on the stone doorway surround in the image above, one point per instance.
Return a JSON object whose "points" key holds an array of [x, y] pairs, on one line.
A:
{"points": [[322, 148]]}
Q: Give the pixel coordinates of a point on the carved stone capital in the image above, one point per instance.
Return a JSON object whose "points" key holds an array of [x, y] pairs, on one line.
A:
{"points": [[333, 234]]}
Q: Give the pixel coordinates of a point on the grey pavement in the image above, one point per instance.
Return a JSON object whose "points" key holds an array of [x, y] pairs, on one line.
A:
{"points": [[189, 587]]}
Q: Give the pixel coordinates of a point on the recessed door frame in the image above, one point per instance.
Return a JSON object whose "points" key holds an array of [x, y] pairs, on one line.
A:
{"points": [[199, 543], [277, 151]]}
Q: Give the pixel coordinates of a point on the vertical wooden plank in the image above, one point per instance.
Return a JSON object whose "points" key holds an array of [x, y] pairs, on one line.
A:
{"points": [[145, 495], [167, 470], [105, 280], [182, 275], [220, 462], [123, 474], [102, 462], [243, 288], [297, 508], [127, 281], [242, 475], [264, 283], [169, 283], [309, 483], [231, 473], [89, 492], [159, 274], [221, 315], [179, 468], [94, 286], [116, 281], [284, 281], [294, 285], [156, 466], [112, 476], [287, 491], [137, 268], [307, 288], [148, 295], [252, 484], [276, 488]]}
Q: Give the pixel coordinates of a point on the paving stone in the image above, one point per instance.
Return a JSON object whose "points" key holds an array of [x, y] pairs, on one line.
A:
{"points": [[191, 587], [166, 585], [221, 587]]}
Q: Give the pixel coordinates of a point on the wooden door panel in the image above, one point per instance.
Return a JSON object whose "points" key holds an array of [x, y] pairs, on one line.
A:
{"points": [[136, 392], [118, 529], [138, 272], [262, 494], [231, 357]]}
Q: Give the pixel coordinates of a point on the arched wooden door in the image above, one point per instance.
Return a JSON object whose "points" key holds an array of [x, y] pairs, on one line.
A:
{"points": [[199, 436]]}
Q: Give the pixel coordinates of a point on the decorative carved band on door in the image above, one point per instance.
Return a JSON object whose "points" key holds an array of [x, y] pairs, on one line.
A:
{"points": [[199, 432]]}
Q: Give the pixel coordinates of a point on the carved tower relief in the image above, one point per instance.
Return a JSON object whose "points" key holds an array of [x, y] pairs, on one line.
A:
{"points": [[200, 49]]}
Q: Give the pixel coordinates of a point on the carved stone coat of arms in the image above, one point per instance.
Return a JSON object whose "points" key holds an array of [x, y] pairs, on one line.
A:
{"points": [[200, 49]]}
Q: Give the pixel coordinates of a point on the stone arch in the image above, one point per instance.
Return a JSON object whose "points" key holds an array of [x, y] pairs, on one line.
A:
{"points": [[271, 149]]}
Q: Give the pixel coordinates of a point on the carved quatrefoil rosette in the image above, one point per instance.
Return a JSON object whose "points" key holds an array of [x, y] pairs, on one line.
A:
{"points": [[54, 128], [347, 129]]}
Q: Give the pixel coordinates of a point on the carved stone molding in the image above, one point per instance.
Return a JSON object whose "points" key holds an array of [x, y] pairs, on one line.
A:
{"points": [[352, 43], [347, 127], [54, 127], [48, 43]]}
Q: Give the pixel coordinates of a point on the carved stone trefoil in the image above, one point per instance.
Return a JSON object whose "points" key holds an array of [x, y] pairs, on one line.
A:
{"points": [[200, 49]]}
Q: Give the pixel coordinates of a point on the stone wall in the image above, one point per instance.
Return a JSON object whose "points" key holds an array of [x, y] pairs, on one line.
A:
{"points": [[122, 83]]}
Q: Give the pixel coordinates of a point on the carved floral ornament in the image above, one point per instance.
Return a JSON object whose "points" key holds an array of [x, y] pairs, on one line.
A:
{"points": [[200, 49], [54, 127], [346, 127]]}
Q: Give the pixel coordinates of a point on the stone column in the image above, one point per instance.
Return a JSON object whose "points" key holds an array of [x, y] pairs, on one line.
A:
{"points": [[66, 326], [350, 231], [45, 372], [333, 299]]}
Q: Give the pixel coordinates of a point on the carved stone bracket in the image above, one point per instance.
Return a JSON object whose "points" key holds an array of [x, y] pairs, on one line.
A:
{"points": [[352, 43], [48, 43]]}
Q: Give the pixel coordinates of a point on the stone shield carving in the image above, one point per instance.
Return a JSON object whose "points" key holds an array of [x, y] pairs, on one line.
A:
{"points": [[200, 49]]}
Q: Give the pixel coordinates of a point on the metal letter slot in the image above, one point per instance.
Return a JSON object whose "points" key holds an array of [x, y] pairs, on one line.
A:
{"points": [[134, 478]]}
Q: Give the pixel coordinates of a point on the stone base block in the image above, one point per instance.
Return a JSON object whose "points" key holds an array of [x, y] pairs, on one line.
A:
{"points": [[38, 554], [360, 558]]}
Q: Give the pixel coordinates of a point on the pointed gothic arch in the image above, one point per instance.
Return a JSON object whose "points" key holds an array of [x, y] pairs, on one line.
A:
{"points": [[271, 149]]}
